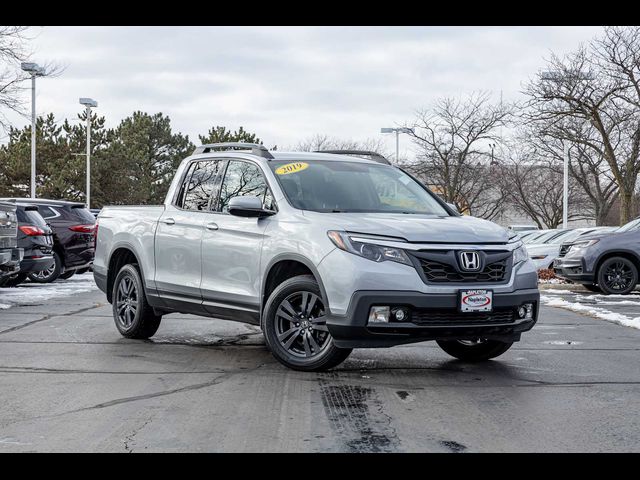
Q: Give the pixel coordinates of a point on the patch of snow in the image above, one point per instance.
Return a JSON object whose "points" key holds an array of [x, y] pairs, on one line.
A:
{"points": [[558, 292], [552, 281], [29, 293], [601, 313]]}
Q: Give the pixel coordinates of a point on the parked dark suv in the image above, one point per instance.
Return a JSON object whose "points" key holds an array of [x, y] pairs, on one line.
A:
{"points": [[607, 263], [73, 228], [35, 237]]}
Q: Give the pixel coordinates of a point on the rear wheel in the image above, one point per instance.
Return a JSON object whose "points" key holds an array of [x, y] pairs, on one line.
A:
{"points": [[133, 316], [477, 350], [617, 275], [294, 326], [50, 274]]}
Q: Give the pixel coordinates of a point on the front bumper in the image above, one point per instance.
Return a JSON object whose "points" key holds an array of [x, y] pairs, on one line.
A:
{"points": [[432, 317], [573, 269]]}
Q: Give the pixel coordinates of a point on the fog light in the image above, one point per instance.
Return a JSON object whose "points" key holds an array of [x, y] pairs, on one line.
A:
{"points": [[526, 311], [400, 314], [379, 314]]}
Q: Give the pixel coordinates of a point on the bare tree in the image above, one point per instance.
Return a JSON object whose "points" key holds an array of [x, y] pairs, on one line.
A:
{"points": [[533, 186], [587, 167], [13, 50], [599, 84], [453, 158], [325, 142]]}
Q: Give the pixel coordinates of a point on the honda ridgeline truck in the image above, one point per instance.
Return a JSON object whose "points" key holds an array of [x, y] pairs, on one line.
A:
{"points": [[325, 252]]}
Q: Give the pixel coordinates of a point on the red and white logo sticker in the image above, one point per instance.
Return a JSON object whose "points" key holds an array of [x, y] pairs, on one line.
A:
{"points": [[476, 300]]}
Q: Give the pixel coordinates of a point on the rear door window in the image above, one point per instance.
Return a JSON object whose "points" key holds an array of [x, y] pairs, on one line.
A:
{"points": [[199, 185], [47, 212]]}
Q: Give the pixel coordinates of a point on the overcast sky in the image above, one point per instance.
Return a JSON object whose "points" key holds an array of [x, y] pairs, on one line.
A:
{"points": [[287, 83]]}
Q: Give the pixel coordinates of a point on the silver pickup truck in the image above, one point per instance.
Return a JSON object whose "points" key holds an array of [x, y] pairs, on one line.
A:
{"points": [[325, 252]]}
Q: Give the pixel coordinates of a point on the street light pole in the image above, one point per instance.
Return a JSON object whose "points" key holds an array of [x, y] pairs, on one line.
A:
{"points": [[565, 186], [34, 70], [33, 136], [88, 102], [554, 76], [397, 131]]}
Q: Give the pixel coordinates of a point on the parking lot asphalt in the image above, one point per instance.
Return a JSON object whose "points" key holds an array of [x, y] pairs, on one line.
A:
{"points": [[70, 382]]}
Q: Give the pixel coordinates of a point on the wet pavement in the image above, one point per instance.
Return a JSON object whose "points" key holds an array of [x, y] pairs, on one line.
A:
{"points": [[70, 382]]}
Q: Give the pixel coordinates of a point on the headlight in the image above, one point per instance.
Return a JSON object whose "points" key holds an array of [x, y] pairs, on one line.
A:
{"points": [[520, 254], [579, 247], [376, 253]]}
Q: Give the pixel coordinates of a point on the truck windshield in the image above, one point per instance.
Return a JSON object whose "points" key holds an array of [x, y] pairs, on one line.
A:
{"points": [[331, 186]]}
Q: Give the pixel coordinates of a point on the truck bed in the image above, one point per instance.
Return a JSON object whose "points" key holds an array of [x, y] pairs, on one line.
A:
{"points": [[131, 226]]}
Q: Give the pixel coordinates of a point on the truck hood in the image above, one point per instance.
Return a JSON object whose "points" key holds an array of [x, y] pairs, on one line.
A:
{"points": [[415, 228]]}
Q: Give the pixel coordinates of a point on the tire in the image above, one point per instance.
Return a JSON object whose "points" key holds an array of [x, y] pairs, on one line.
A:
{"points": [[592, 287], [67, 274], [13, 280], [133, 316], [293, 330], [617, 275], [48, 276], [469, 351]]}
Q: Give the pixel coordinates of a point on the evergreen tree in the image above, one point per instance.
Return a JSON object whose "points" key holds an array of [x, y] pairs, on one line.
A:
{"points": [[146, 154], [221, 134]]}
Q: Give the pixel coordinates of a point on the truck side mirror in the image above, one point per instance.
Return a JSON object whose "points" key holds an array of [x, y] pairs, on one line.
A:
{"points": [[248, 207]]}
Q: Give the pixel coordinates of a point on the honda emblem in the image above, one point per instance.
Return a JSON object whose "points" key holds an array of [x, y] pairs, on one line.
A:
{"points": [[470, 261]]}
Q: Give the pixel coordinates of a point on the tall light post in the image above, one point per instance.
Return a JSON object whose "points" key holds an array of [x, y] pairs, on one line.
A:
{"points": [[558, 77], [34, 70], [88, 103], [397, 131]]}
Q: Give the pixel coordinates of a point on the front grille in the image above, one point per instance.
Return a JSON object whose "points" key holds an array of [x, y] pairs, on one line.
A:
{"points": [[563, 250], [452, 317], [437, 272]]}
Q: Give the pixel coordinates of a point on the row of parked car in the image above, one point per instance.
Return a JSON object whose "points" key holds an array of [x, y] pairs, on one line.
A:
{"points": [[602, 259], [43, 240]]}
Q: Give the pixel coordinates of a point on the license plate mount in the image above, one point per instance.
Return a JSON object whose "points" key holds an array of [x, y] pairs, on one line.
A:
{"points": [[475, 300]]}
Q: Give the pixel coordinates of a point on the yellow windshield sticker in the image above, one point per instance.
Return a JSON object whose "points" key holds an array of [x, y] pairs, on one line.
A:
{"points": [[291, 168]]}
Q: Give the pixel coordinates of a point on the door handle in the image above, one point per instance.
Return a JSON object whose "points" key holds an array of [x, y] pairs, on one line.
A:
{"points": [[212, 226], [168, 221]]}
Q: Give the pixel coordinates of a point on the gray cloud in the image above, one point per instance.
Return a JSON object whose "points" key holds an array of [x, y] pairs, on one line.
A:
{"points": [[286, 83]]}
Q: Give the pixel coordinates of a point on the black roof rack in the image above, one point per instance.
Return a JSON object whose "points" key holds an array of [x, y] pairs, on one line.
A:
{"points": [[256, 149], [375, 156]]}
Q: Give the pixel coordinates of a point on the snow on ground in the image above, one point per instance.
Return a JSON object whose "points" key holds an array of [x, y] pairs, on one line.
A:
{"points": [[29, 293], [590, 305]]}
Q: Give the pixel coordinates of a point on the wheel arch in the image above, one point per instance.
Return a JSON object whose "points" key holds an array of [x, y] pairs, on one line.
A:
{"points": [[121, 255], [628, 254], [284, 266]]}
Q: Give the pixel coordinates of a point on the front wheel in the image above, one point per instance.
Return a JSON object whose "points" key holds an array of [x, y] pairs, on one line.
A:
{"points": [[133, 316], [67, 274], [477, 350], [294, 326], [592, 287], [617, 275]]}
